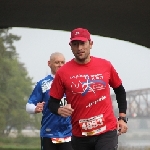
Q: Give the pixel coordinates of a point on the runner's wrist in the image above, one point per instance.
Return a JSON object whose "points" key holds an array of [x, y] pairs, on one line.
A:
{"points": [[121, 114], [59, 111], [56, 110], [125, 119]]}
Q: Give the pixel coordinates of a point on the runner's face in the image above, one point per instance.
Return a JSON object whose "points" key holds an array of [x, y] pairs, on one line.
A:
{"points": [[81, 50], [56, 63]]}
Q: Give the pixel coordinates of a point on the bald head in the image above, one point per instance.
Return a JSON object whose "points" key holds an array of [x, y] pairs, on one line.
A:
{"points": [[56, 61], [53, 56]]}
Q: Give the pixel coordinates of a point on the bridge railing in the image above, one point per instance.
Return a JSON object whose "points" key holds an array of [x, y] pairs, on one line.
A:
{"points": [[138, 103]]}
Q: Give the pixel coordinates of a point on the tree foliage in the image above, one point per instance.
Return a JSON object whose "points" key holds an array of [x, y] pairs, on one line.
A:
{"points": [[15, 86]]}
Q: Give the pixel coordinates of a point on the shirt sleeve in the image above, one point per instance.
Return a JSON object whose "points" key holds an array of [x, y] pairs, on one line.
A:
{"points": [[114, 80], [30, 108], [57, 88], [36, 95]]}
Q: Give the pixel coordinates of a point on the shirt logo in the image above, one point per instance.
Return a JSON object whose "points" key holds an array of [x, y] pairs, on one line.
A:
{"points": [[87, 83], [46, 85]]}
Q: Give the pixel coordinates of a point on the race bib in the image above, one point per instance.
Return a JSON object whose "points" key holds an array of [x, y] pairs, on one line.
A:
{"points": [[93, 125], [61, 140]]}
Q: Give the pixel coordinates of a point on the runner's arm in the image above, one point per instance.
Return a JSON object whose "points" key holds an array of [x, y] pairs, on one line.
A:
{"points": [[53, 105], [121, 99], [35, 97], [30, 108]]}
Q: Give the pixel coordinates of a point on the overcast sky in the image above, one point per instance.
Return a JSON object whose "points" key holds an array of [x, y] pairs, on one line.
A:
{"points": [[131, 61]]}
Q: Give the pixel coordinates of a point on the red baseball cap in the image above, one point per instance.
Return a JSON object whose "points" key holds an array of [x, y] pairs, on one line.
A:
{"points": [[80, 34]]}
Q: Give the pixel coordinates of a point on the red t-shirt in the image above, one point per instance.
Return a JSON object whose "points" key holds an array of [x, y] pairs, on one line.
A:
{"points": [[87, 89]]}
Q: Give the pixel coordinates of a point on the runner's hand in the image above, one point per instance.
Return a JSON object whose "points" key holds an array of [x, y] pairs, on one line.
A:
{"points": [[122, 127], [65, 111], [39, 107]]}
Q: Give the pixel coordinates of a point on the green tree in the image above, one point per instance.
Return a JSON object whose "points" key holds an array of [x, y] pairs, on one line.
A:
{"points": [[15, 86]]}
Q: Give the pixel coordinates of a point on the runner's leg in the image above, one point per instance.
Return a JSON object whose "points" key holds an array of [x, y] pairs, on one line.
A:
{"points": [[82, 143], [107, 141], [46, 144], [65, 146]]}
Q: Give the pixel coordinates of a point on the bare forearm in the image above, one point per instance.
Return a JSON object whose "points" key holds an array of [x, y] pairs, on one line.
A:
{"points": [[122, 115]]}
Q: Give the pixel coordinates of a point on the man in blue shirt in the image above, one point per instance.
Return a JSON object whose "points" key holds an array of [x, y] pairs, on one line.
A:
{"points": [[55, 130]]}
